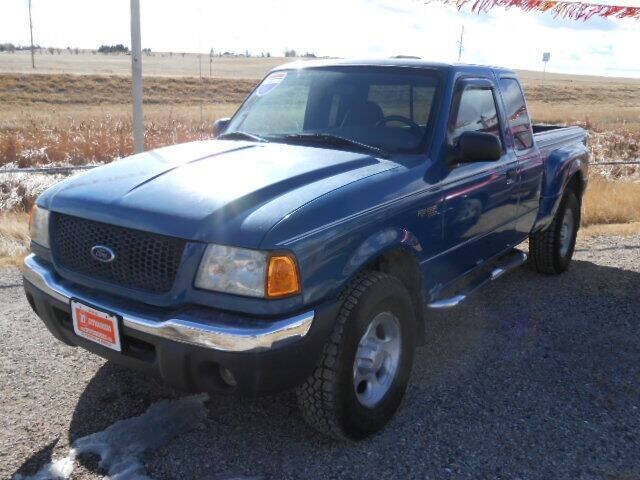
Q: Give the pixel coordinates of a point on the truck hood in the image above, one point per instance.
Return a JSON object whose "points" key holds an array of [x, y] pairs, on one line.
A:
{"points": [[213, 191]]}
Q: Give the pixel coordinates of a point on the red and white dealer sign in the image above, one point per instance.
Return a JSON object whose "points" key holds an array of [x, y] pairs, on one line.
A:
{"points": [[94, 325]]}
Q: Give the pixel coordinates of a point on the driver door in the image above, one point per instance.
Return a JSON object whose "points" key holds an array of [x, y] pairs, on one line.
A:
{"points": [[480, 201]]}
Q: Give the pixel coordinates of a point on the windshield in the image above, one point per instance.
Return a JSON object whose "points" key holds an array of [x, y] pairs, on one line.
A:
{"points": [[384, 108]]}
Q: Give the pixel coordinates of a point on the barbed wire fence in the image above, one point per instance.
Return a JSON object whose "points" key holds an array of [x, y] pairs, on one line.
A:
{"points": [[71, 169], [51, 170]]}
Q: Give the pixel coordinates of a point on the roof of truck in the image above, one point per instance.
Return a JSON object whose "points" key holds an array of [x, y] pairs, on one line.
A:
{"points": [[391, 62]]}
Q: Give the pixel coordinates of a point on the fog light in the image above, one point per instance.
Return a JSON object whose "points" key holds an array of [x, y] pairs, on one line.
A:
{"points": [[227, 376]]}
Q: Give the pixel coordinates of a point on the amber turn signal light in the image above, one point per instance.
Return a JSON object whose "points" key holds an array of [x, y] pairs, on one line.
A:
{"points": [[282, 276]]}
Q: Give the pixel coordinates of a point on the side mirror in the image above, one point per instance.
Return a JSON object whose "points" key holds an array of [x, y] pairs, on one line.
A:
{"points": [[479, 147], [219, 126]]}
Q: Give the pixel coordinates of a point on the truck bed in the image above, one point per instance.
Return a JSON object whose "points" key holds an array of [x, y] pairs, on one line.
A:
{"points": [[550, 137]]}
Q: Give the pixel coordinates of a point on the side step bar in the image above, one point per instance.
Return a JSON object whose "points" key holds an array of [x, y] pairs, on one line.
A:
{"points": [[504, 265]]}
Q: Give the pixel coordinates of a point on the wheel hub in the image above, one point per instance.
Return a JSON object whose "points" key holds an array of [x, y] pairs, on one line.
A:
{"points": [[566, 232], [377, 358]]}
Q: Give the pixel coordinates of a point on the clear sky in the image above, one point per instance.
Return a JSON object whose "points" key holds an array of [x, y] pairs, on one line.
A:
{"points": [[344, 28]]}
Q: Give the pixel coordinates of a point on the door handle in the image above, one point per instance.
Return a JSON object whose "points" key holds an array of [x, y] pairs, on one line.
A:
{"points": [[512, 176]]}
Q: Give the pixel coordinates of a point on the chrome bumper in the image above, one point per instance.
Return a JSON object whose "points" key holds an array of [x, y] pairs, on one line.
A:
{"points": [[183, 328]]}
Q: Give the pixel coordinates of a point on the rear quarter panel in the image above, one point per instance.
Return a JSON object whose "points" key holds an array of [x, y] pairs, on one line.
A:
{"points": [[564, 157]]}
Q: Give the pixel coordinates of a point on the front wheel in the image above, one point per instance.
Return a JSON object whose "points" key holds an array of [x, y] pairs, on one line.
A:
{"points": [[551, 250], [366, 363]]}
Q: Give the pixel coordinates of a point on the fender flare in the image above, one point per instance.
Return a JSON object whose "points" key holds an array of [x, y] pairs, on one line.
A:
{"points": [[378, 244], [560, 169]]}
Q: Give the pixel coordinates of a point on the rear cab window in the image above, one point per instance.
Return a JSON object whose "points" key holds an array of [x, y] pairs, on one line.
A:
{"points": [[516, 113], [409, 101]]}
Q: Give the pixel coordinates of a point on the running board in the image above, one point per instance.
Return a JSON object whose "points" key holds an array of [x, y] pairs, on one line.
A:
{"points": [[509, 262]]}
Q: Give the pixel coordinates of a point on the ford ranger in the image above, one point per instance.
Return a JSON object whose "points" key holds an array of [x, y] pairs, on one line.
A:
{"points": [[305, 245]]}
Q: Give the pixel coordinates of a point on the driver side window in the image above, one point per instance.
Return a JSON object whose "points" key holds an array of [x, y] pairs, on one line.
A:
{"points": [[476, 113]]}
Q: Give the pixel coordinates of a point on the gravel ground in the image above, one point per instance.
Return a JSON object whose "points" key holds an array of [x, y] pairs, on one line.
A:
{"points": [[535, 377]]}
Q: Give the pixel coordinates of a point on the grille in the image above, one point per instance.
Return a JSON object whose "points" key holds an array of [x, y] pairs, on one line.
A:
{"points": [[143, 261]]}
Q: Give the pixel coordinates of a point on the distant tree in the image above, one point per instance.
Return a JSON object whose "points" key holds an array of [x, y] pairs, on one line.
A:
{"points": [[309, 55], [51, 50], [268, 54], [7, 47], [290, 53], [76, 51], [119, 48]]}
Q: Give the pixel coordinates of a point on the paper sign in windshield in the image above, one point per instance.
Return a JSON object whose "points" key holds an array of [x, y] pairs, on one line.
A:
{"points": [[270, 83]]}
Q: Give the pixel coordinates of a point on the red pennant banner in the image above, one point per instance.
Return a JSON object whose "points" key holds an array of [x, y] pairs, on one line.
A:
{"points": [[571, 10]]}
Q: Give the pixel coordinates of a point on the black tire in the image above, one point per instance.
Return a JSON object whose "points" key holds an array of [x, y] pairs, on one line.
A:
{"points": [[327, 399], [545, 247]]}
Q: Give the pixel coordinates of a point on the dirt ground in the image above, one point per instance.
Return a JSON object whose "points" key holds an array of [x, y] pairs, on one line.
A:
{"points": [[536, 377]]}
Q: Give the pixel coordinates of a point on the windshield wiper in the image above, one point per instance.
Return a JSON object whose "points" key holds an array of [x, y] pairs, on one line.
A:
{"points": [[241, 136], [337, 141]]}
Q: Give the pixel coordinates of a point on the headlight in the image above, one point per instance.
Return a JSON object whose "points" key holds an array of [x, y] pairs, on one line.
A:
{"points": [[252, 273], [39, 226]]}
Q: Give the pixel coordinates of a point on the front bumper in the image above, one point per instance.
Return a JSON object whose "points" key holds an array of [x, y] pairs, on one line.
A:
{"points": [[189, 346]]}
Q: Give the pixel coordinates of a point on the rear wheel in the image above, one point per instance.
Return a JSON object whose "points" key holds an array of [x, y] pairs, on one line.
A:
{"points": [[365, 366], [551, 250]]}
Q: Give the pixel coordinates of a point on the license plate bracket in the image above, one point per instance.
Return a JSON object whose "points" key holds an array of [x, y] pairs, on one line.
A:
{"points": [[96, 325]]}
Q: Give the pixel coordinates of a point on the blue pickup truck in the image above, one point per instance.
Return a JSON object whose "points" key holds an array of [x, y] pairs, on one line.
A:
{"points": [[305, 245]]}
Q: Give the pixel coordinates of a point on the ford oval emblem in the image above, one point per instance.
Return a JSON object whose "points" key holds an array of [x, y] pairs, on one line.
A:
{"points": [[103, 254]]}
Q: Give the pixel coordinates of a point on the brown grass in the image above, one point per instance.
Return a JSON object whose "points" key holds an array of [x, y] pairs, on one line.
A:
{"points": [[157, 65], [610, 201], [620, 229], [14, 238], [77, 135], [32, 89]]}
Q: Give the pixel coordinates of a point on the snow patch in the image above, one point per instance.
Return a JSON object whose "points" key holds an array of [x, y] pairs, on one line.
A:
{"points": [[122, 445]]}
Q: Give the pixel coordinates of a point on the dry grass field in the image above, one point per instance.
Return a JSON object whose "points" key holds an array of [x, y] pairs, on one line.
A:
{"points": [[159, 64], [78, 113]]}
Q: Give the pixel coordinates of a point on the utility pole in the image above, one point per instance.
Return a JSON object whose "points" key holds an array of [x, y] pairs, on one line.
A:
{"points": [[33, 60], [460, 48], [136, 74], [201, 86]]}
